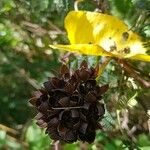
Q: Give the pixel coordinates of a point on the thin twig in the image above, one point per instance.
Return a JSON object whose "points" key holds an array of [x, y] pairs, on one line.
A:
{"points": [[76, 4], [56, 145], [40, 31], [124, 125], [18, 141], [138, 70], [148, 124], [59, 108], [55, 27], [119, 120], [8, 129], [134, 74], [34, 28]]}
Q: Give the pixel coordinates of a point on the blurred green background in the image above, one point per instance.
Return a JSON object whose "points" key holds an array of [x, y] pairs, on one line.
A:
{"points": [[27, 27]]}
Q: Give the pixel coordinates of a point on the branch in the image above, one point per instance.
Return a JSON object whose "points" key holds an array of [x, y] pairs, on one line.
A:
{"points": [[8, 129], [57, 29], [38, 30], [134, 74], [56, 145], [67, 108], [24, 144]]}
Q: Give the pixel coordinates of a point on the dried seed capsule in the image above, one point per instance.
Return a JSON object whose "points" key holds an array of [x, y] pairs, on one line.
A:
{"points": [[68, 106]]}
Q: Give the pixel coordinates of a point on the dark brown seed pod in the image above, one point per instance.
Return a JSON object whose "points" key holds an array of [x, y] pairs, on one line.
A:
{"points": [[69, 106]]}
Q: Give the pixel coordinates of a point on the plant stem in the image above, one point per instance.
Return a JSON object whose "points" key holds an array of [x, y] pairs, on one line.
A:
{"points": [[103, 66], [76, 4], [59, 108], [56, 146], [134, 74], [8, 129]]}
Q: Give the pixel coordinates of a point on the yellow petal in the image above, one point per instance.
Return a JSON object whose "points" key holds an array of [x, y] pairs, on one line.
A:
{"points": [[87, 49], [141, 57], [107, 31], [79, 30]]}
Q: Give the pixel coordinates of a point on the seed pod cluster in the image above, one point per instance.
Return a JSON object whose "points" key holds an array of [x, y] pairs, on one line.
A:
{"points": [[69, 106]]}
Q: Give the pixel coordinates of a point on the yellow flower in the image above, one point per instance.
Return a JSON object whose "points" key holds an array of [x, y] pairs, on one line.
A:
{"points": [[93, 33]]}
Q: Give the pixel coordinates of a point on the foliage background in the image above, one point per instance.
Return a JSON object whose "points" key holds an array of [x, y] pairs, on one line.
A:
{"points": [[27, 27]]}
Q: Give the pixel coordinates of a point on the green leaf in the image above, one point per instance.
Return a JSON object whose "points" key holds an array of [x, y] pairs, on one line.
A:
{"points": [[2, 138], [143, 140], [37, 138], [39, 5]]}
